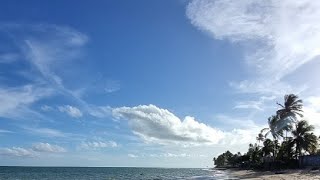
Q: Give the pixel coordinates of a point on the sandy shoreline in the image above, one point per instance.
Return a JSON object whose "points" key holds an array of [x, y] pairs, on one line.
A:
{"points": [[298, 174]]}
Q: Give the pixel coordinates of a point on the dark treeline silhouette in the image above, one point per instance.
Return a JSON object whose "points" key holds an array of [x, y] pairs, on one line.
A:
{"points": [[287, 137]]}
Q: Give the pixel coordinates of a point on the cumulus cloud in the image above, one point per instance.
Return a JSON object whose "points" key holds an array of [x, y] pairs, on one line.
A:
{"points": [[46, 147], [17, 152], [156, 125], [279, 36], [98, 145], [71, 111]]}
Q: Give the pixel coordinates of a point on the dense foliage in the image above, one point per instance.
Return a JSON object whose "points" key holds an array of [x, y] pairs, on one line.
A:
{"points": [[281, 150]]}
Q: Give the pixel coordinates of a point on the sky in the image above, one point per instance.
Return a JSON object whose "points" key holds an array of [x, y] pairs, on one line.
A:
{"points": [[168, 83]]}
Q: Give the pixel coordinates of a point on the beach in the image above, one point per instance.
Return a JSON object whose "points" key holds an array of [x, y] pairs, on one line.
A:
{"points": [[276, 175]]}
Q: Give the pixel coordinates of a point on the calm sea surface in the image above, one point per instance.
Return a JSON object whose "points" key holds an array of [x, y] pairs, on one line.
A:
{"points": [[90, 173]]}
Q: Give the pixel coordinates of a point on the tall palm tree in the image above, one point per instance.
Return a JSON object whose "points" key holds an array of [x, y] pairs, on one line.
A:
{"points": [[274, 128], [291, 108], [303, 138]]}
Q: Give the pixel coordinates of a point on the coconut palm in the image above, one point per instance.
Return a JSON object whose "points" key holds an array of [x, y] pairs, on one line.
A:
{"points": [[289, 111], [286, 150], [268, 147], [274, 128], [291, 108], [303, 138]]}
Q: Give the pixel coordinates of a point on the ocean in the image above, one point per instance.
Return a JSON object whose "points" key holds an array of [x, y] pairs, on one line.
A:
{"points": [[105, 173]]}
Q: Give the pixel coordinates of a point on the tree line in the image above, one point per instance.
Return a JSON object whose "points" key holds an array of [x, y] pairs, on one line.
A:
{"points": [[287, 137]]}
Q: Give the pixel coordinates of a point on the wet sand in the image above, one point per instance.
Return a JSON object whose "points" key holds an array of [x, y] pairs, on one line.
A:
{"points": [[299, 174]]}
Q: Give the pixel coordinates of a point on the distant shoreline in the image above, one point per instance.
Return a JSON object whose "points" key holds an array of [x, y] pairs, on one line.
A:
{"points": [[290, 174]]}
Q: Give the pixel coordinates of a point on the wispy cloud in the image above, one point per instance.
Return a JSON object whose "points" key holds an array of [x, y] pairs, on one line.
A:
{"points": [[46, 147], [166, 155], [258, 104], [47, 48], [46, 132], [94, 145], [46, 108], [112, 86], [132, 156], [34, 151], [71, 111], [275, 44], [17, 152], [5, 131], [15, 100]]}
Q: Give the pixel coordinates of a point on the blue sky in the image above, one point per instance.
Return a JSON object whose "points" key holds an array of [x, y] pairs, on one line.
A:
{"points": [[149, 83]]}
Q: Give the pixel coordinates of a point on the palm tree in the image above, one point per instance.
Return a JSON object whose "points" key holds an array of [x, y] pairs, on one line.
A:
{"points": [[268, 147], [303, 138], [289, 111], [274, 128], [260, 138], [291, 108], [286, 150]]}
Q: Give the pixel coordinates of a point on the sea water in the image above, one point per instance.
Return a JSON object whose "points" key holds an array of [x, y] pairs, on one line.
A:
{"points": [[105, 173]]}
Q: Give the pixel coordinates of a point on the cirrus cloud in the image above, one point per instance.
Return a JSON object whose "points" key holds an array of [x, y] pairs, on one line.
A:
{"points": [[71, 111], [279, 37], [46, 147]]}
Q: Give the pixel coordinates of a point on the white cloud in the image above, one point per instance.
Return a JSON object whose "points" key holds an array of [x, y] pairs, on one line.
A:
{"points": [[17, 152], [111, 86], [46, 147], [267, 86], [258, 104], [100, 111], [46, 108], [279, 37], [5, 131], [160, 126], [48, 48], [14, 100], [281, 43], [166, 155], [132, 156], [47, 132], [311, 112], [98, 145], [71, 111]]}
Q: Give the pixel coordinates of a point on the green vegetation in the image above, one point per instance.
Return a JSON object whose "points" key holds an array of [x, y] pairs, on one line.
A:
{"points": [[291, 137]]}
